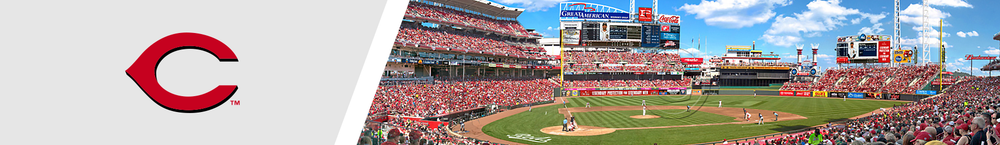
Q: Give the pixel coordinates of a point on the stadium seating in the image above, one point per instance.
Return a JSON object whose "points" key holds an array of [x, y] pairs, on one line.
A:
{"points": [[443, 97], [942, 118], [900, 79], [429, 37], [584, 61], [431, 12], [629, 83]]}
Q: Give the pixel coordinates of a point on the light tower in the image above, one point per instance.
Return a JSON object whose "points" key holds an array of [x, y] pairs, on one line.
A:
{"points": [[923, 35], [895, 33]]}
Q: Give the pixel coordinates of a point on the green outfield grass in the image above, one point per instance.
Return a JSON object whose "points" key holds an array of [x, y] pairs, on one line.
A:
{"points": [[817, 110], [621, 119]]}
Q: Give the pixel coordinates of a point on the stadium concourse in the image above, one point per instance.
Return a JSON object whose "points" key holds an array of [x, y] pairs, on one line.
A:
{"points": [[966, 114], [895, 80]]}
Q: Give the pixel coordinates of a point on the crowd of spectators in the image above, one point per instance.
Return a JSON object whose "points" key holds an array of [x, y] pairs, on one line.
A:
{"points": [[403, 131], [464, 40], [629, 83], [965, 115], [610, 61], [461, 18], [796, 86], [897, 79], [441, 97]]}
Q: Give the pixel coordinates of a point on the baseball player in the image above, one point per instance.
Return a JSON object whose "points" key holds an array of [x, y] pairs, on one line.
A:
{"points": [[775, 116], [689, 108], [720, 103], [747, 117], [643, 107], [754, 93], [761, 118], [588, 104]]}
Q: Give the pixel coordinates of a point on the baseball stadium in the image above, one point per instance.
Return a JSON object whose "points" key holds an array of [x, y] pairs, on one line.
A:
{"points": [[464, 72]]}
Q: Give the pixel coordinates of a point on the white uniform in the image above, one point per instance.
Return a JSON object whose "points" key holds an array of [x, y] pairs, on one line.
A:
{"points": [[720, 103], [643, 107]]}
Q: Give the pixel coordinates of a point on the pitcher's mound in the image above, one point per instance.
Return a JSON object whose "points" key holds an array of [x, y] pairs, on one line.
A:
{"points": [[581, 131], [644, 116]]}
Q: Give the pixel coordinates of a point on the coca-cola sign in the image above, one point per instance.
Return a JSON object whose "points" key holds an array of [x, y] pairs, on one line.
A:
{"points": [[970, 57], [669, 19]]}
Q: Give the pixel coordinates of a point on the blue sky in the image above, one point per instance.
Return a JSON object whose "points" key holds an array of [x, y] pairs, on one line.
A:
{"points": [[778, 25]]}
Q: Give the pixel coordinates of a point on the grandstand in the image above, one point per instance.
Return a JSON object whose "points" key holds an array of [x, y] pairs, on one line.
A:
{"points": [[881, 79], [593, 67], [452, 61], [621, 60], [968, 108]]}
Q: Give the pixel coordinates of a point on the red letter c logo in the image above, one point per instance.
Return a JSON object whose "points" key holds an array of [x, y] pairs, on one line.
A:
{"points": [[143, 72]]}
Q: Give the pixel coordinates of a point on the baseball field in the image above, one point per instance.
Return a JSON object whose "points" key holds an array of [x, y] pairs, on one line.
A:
{"points": [[619, 120]]}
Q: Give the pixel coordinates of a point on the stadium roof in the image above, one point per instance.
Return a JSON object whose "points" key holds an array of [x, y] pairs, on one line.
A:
{"points": [[483, 6], [997, 36]]}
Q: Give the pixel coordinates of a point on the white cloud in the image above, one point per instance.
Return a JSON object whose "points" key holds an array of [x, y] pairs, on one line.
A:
{"points": [[781, 40], [821, 16], [856, 21], [970, 34], [734, 13], [952, 3], [992, 51], [533, 5], [913, 15], [874, 18], [550, 28], [874, 29]]}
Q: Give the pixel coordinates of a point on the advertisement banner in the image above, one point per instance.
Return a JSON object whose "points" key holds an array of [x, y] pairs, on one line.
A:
{"points": [[803, 93], [571, 37], [593, 15], [856, 95], [619, 92], [670, 28], [884, 51], [970, 57], [756, 67], [786, 93], [902, 56], [671, 44], [819, 94], [843, 60], [668, 19], [670, 36], [645, 14], [692, 61], [926, 92]]}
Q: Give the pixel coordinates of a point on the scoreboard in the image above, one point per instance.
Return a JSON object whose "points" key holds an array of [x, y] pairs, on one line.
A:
{"points": [[590, 31], [864, 49], [618, 34], [650, 35]]}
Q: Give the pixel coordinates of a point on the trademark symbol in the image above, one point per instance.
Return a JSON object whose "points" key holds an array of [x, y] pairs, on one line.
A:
{"points": [[234, 102]]}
